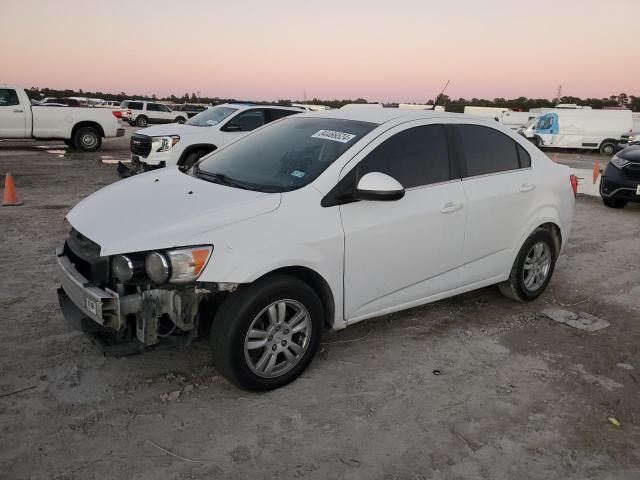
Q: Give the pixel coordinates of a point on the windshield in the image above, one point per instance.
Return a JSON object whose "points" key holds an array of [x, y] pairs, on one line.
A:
{"points": [[211, 116], [285, 155]]}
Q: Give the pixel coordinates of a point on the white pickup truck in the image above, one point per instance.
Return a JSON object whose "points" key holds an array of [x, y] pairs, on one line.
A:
{"points": [[79, 127]]}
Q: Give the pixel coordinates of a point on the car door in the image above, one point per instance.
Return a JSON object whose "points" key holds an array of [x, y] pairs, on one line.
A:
{"points": [[399, 253], [499, 185], [154, 113], [13, 116], [243, 123]]}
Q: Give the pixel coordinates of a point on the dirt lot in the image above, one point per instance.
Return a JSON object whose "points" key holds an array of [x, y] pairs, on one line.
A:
{"points": [[519, 396]]}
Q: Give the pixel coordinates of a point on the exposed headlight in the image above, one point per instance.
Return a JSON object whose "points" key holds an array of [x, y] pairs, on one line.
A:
{"points": [[179, 266], [619, 162], [162, 144], [125, 268]]}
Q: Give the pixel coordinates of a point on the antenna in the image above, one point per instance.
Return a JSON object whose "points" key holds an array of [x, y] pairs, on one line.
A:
{"points": [[559, 94], [440, 95]]}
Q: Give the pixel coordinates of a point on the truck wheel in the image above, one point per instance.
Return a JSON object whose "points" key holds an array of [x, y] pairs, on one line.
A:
{"points": [[532, 270], [191, 159], [180, 120], [69, 143], [607, 148], [87, 139], [614, 202], [265, 334], [141, 121]]}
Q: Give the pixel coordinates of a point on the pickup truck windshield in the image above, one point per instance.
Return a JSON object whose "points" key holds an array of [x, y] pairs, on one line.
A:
{"points": [[211, 116], [283, 156]]}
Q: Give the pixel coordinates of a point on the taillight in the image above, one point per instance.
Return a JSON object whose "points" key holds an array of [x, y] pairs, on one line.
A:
{"points": [[574, 184], [117, 113]]}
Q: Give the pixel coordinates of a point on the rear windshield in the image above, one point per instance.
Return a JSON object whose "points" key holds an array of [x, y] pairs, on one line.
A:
{"points": [[284, 155], [211, 116]]}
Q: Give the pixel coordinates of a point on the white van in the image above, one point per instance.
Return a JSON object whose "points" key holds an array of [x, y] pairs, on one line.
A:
{"points": [[488, 112], [583, 128]]}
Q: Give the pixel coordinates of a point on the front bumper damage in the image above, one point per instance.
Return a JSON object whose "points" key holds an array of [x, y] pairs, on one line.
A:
{"points": [[124, 323]]}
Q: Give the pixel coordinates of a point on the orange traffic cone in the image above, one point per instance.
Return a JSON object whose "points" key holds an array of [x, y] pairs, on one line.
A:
{"points": [[596, 171], [10, 196]]}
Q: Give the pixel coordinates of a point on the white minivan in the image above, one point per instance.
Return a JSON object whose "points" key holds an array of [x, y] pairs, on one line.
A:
{"points": [[321, 219]]}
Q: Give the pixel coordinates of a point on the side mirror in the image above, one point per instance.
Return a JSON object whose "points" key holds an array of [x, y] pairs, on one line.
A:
{"points": [[378, 186]]}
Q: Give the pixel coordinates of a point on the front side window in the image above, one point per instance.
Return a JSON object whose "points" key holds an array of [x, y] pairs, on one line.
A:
{"points": [[414, 157], [486, 150], [246, 121], [211, 116], [8, 97], [284, 156], [275, 114], [545, 122]]}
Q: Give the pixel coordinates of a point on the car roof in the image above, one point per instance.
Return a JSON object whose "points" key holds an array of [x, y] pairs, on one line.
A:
{"points": [[244, 106], [385, 115]]}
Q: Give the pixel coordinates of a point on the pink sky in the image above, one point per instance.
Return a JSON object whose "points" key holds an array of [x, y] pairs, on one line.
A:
{"points": [[403, 50]]}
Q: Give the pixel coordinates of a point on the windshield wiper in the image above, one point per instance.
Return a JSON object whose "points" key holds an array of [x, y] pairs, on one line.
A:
{"points": [[222, 179]]}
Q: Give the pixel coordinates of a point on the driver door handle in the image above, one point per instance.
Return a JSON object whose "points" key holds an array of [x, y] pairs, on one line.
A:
{"points": [[527, 187], [451, 207], [17, 110]]}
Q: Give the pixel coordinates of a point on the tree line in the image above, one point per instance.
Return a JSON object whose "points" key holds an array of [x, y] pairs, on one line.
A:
{"points": [[453, 105]]}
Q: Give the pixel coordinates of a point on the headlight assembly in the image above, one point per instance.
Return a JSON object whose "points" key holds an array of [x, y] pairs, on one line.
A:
{"points": [[619, 162], [162, 144], [180, 266]]}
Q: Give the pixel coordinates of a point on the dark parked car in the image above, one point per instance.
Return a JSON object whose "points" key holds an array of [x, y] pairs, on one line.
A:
{"points": [[621, 179]]}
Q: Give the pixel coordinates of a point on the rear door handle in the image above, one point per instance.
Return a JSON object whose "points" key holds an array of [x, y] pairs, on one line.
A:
{"points": [[17, 110], [451, 207], [527, 187]]}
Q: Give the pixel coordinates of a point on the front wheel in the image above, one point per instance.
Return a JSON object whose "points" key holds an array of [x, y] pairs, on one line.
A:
{"points": [[265, 334], [180, 120], [614, 202], [87, 139], [533, 268]]}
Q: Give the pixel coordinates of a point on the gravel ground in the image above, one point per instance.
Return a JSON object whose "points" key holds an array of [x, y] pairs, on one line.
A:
{"points": [[518, 395]]}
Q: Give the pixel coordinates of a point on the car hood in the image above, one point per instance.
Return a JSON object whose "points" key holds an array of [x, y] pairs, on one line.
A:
{"points": [[171, 129], [158, 210], [631, 153]]}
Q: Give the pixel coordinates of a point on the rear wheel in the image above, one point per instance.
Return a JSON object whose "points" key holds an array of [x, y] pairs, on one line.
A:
{"points": [[180, 120], [141, 121], [533, 268], [265, 334], [614, 202], [87, 139]]}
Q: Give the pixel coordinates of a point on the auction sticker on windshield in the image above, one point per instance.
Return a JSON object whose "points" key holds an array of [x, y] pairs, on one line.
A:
{"points": [[335, 136]]}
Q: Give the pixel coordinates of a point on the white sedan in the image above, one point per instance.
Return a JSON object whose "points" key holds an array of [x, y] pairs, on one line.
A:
{"points": [[318, 219]]}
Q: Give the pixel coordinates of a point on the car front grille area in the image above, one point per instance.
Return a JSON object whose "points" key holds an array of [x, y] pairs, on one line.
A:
{"points": [[140, 145], [84, 254]]}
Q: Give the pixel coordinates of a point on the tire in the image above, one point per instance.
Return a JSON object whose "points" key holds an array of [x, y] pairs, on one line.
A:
{"points": [[191, 159], [69, 143], [518, 286], [607, 148], [141, 121], [614, 202], [180, 120], [87, 139], [248, 308]]}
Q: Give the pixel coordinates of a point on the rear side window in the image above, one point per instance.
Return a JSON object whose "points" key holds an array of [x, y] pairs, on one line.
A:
{"points": [[8, 97], [415, 157], [275, 114], [487, 150], [135, 106], [153, 107], [524, 157]]}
